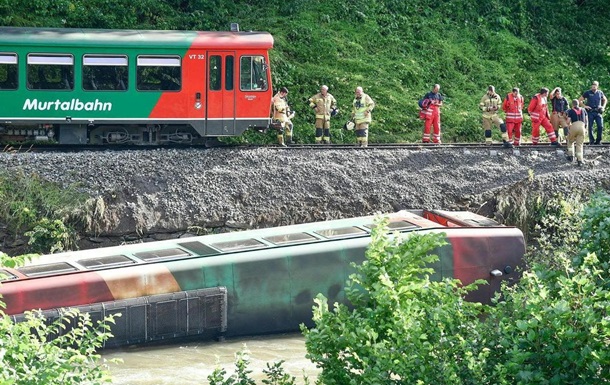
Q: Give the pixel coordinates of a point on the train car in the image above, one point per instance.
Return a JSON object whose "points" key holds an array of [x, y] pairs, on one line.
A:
{"points": [[94, 86], [249, 282]]}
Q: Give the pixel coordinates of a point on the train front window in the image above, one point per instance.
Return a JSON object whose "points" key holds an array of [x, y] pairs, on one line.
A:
{"points": [[253, 73], [8, 71], [105, 73], [159, 73], [50, 72]]}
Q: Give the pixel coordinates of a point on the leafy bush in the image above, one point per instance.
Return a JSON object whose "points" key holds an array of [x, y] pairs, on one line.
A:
{"points": [[596, 229]]}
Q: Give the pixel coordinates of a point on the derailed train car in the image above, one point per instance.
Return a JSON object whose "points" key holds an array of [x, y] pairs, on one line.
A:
{"points": [[245, 283], [101, 86]]}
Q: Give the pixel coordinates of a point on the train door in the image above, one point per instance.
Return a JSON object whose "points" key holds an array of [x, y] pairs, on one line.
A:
{"points": [[221, 93]]}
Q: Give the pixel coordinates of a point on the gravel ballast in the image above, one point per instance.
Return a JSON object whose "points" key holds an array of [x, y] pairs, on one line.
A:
{"points": [[144, 192]]}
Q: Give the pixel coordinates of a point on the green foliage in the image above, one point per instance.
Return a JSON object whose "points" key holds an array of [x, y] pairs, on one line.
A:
{"points": [[403, 328], [29, 356], [275, 373], [42, 210], [596, 229]]}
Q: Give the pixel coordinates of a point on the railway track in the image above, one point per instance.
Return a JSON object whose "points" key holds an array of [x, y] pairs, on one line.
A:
{"points": [[40, 148]]}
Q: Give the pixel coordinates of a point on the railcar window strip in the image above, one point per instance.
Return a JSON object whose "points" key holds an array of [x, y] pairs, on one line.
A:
{"points": [[162, 254], [106, 261], [95, 60], [158, 61], [8, 58], [291, 239], [342, 232], [6, 276], [66, 60], [46, 269], [238, 245]]}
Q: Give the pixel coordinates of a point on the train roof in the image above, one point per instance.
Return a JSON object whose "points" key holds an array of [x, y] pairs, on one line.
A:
{"points": [[81, 37]]}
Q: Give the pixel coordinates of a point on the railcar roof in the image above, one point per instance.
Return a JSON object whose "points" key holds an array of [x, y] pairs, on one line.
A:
{"points": [[17, 36]]}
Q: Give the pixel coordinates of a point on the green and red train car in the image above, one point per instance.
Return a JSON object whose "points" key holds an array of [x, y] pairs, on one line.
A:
{"points": [[88, 86], [245, 283]]}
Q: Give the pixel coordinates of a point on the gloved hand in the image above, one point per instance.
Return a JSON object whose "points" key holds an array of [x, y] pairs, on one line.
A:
{"points": [[334, 112]]}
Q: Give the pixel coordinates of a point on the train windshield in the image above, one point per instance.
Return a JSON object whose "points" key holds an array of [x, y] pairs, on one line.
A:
{"points": [[253, 73]]}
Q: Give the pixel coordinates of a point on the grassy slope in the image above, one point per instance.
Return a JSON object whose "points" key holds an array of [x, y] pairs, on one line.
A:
{"points": [[395, 49]]}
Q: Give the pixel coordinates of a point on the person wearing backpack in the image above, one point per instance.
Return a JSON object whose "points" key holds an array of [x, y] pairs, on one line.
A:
{"points": [[490, 104], [432, 114], [578, 121]]}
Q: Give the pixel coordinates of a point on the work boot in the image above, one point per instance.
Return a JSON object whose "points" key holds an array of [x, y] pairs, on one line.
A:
{"points": [[556, 144], [570, 158], [506, 144], [579, 163], [280, 140]]}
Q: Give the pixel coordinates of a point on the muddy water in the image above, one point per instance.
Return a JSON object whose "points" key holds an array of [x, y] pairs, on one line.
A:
{"points": [[191, 363]]}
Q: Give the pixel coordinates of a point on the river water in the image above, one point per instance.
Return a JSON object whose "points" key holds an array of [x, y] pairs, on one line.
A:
{"points": [[191, 363]]}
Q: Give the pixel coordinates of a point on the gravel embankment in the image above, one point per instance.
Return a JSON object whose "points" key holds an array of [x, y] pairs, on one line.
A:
{"points": [[167, 190]]}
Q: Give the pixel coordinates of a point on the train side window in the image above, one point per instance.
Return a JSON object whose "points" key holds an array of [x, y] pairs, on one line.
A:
{"points": [[105, 73], [395, 225], [253, 73], [215, 72], [6, 276], [159, 73], [290, 239], [8, 71], [50, 72], [46, 269], [342, 232], [162, 254], [229, 73], [105, 261], [239, 245]]}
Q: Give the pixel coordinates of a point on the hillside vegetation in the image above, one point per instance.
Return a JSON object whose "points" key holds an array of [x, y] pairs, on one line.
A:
{"points": [[395, 49]]}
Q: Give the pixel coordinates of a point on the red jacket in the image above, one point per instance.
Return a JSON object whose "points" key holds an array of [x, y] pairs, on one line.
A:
{"points": [[538, 108], [513, 107]]}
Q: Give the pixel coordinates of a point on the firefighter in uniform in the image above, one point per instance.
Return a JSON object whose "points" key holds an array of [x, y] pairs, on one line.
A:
{"points": [[538, 110], [559, 119], [513, 108], [325, 106], [578, 120], [282, 115], [490, 104], [432, 115], [361, 115]]}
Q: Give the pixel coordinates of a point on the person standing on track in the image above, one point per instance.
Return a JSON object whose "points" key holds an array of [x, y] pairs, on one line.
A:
{"points": [[578, 120], [432, 115], [490, 104], [559, 119], [596, 104], [513, 108], [282, 115], [538, 110], [325, 106], [361, 115]]}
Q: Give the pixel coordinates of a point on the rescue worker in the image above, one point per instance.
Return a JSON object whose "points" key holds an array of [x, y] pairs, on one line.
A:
{"points": [[361, 115], [490, 104], [596, 104], [559, 119], [513, 108], [282, 115], [538, 110], [578, 121], [432, 115], [325, 106]]}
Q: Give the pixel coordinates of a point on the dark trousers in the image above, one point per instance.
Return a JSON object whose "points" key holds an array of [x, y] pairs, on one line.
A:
{"points": [[595, 117]]}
